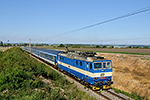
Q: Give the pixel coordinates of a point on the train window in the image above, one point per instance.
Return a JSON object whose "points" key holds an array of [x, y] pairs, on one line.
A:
{"points": [[90, 66], [76, 62], [62, 58], [49, 56], [108, 65], [54, 57], [80, 63], [104, 65], [87, 65], [97, 65]]}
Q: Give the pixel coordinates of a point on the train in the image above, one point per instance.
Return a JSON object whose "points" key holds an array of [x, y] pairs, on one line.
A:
{"points": [[92, 70]]}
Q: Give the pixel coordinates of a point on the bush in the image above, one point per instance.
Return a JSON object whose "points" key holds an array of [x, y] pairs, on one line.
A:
{"points": [[104, 46], [61, 45], [128, 47], [41, 71], [111, 47], [97, 46]]}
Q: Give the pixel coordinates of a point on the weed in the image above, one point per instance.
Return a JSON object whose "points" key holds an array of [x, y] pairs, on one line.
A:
{"points": [[100, 91], [145, 59], [133, 95]]}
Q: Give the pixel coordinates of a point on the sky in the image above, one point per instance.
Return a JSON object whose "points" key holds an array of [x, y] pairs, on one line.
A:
{"points": [[47, 21]]}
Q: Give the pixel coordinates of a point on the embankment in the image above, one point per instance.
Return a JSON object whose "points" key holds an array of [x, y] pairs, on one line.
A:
{"points": [[130, 74]]}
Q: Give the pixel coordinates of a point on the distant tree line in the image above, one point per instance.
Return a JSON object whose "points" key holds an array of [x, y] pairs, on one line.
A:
{"points": [[21, 44], [104, 46], [70, 45]]}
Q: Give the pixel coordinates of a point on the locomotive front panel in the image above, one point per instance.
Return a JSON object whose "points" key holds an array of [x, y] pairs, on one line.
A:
{"points": [[102, 71]]}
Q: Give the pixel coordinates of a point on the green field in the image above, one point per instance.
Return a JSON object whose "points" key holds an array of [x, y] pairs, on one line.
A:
{"points": [[20, 79]]}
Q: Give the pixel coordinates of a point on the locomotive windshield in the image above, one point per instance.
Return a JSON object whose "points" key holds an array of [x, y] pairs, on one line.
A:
{"points": [[102, 65], [97, 65]]}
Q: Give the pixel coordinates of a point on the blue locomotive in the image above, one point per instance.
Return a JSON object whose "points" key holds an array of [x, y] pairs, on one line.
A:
{"points": [[94, 71]]}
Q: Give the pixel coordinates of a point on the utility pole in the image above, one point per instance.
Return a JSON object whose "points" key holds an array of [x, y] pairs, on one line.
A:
{"points": [[30, 45]]}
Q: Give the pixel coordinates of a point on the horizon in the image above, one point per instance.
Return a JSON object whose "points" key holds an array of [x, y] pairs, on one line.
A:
{"points": [[80, 44]]}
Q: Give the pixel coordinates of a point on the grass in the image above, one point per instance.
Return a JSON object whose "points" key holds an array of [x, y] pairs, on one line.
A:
{"points": [[19, 79], [145, 59], [133, 95]]}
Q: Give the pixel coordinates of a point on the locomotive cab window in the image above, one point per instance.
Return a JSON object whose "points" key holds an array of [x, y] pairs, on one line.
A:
{"points": [[108, 65], [97, 65], [105, 65]]}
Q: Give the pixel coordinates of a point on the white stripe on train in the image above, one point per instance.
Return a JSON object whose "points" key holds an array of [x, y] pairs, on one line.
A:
{"points": [[85, 72]]}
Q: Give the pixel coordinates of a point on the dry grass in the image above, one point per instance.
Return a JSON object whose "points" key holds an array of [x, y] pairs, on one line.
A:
{"points": [[4, 48]]}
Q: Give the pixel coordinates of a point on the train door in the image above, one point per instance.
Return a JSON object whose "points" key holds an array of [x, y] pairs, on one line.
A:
{"points": [[86, 71]]}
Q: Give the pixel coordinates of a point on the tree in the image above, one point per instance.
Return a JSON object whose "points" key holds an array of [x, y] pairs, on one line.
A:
{"points": [[61, 45], [1, 43], [97, 46], [129, 47], [104, 46], [111, 47], [145, 47]]}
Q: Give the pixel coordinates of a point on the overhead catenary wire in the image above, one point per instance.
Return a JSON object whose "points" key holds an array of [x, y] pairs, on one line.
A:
{"points": [[127, 15], [103, 22]]}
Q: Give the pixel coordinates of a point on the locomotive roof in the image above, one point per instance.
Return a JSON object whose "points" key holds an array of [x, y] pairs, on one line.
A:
{"points": [[81, 56], [48, 50]]}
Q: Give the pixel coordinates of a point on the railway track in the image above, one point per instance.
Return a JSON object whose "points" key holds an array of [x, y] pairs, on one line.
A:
{"points": [[103, 95], [112, 96]]}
